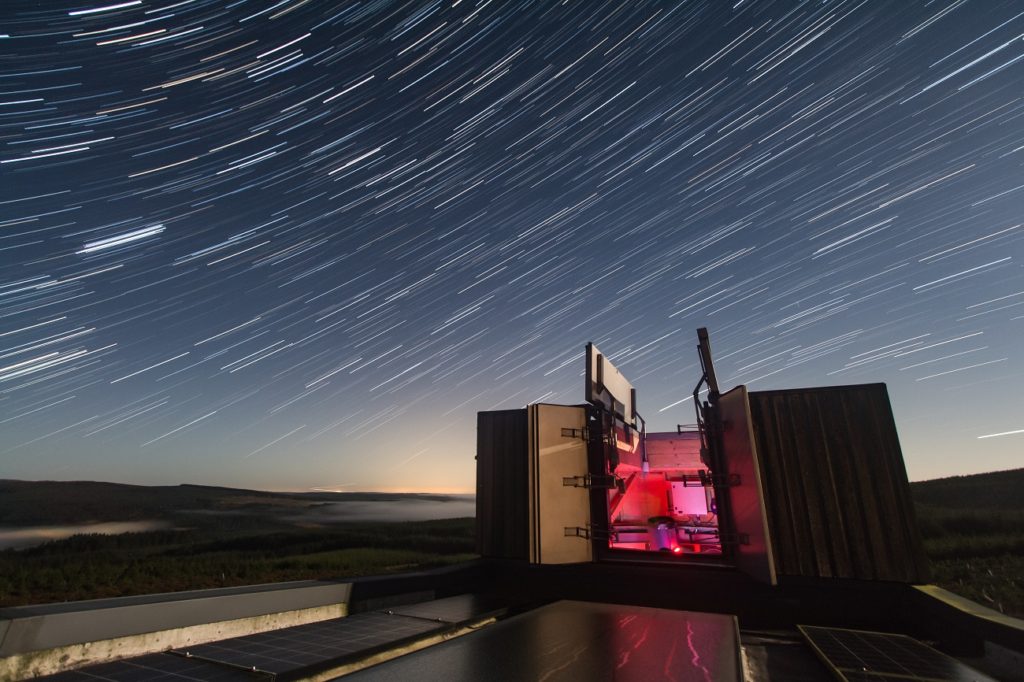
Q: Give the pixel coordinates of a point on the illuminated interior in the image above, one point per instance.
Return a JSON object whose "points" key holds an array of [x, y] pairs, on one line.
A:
{"points": [[661, 504]]}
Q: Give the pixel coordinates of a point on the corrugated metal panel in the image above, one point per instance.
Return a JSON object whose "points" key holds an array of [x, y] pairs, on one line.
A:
{"points": [[836, 489], [501, 484]]}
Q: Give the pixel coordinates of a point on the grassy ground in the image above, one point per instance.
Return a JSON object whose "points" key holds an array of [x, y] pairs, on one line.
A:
{"points": [[973, 530], [996, 582], [95, 566], [977, 553]]}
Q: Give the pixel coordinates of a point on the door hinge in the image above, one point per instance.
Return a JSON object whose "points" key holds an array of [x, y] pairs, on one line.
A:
{"points": [[584, 434], [707, 479], [602, 481], [577, 532], [734, 539]]}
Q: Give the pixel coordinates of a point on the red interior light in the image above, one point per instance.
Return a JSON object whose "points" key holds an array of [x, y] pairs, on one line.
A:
{"points": [[677, 550]]}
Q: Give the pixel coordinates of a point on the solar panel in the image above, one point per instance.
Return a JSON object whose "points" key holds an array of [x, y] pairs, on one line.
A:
{"points": [[314, 645], [573, 641], [859, 656], [293, 651], [160, 667]]}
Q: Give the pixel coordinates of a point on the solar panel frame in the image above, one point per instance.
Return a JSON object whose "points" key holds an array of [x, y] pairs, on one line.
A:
{"points": [[161, 667], [861, 655], [298, 650], [455, 610], [305, 648]]}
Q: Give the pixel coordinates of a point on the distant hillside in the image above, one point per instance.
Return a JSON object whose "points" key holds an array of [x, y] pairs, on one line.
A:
{"points": [[29, 503], [995, 491], [26, 503]]}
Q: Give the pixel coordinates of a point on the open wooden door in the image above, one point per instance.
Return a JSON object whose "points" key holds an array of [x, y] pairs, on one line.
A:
{"points": [[746, 491], [559, 510]]}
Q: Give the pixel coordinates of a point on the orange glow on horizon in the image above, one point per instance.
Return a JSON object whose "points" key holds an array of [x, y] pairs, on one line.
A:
{"points": [[388, 490]]}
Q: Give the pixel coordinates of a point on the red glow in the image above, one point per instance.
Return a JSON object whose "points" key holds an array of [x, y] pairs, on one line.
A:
{"points": [[659, 503]]}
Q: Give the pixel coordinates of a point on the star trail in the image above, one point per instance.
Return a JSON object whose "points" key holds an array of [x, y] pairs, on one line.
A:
{"points": [[299, 244]]}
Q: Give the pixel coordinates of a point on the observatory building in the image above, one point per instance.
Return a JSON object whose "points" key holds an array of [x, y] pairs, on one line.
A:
{"points": [[803, 483]]}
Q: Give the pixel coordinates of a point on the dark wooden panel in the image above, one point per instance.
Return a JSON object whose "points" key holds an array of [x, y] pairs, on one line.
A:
{"points": [[836, 489], [501, 484]]}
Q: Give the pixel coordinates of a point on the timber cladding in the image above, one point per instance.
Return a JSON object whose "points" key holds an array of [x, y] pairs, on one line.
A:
{"points": [[835, 488], [501, 484]]}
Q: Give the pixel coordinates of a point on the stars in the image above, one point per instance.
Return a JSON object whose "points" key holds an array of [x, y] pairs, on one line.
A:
{"points": [[311, 234]]}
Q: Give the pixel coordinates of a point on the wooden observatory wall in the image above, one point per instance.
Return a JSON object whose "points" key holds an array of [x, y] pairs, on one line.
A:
{"points": [[501, 484], [835, 486]]}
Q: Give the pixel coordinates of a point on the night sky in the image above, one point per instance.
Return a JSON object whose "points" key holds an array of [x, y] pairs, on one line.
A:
{"points": [[300, 244]]}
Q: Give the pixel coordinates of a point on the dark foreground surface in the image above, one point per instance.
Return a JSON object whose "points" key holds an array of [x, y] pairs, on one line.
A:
{"points": [[571, 640], [511, 621]]}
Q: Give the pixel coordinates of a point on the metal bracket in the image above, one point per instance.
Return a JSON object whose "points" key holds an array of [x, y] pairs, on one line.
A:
{"points": [[603, 481], [577, 532], [737, 539], [721, 481], [584, 434]]}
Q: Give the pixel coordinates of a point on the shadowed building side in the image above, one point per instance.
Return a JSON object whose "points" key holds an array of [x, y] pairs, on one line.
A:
{"points": [[501, 484], [836, 490]]}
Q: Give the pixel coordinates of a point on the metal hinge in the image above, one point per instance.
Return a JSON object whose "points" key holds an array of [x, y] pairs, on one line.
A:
{"points": [[716, 480], [577, 532], [584, 434], [734, 539], [604, 481]]}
